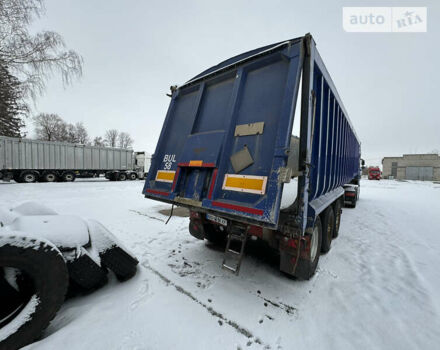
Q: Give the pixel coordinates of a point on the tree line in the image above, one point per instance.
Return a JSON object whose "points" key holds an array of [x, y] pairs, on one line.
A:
{"points": [[51, 127]]}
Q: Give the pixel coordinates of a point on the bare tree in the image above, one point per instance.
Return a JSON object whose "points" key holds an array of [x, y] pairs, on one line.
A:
{"points": [[125, 140], [49, 127], [98, 141], [111, 137], [33, 58], [82, 136], [69, 134]]}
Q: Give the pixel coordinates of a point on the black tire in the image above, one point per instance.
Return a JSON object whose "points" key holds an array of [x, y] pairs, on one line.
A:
{"points": [[113, 256], [44, 279], [49, 177], [132, 176], [68, 177], [306, 267], [28, 177], [214, 235], [338, 213], [123, 265], [122, 177], [17, 178], [85, 272], [328, 229]]}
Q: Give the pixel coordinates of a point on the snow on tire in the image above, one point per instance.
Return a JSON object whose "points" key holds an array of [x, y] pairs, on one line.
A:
{"points": [[112, 253], [38, 287]]}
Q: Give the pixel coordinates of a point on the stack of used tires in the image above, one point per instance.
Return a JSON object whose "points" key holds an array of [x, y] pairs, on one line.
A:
{"points": [[44, 257]]}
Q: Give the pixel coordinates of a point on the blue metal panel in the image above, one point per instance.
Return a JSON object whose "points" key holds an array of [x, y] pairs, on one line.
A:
{"points": [[257, 86], [200, 125]]}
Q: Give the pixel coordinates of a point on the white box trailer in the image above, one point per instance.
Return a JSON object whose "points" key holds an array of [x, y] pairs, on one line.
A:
{"points": [[26, 160]]}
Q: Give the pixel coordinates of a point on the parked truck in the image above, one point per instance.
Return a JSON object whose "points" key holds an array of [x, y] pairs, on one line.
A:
{"points": [[374, 173], [26, 160], [227, 153]]}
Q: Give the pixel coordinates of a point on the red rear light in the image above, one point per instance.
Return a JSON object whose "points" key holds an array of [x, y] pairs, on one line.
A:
{"points": [[350, 194], [256, 231], [194, 215]]}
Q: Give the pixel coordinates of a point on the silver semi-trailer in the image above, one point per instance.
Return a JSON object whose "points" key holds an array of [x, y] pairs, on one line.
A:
{"points": [[26, 160]]}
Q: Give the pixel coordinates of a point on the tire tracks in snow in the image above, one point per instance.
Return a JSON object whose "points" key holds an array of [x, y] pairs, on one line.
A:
{"points": [[148, 216], [222, 319]]}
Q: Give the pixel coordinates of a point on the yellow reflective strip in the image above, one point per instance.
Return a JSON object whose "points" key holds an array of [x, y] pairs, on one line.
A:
{"points": [[164, 175], [195, 162], [248, 184]]}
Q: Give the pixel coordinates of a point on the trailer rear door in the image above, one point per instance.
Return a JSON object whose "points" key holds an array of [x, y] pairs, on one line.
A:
{"points": [[226, 136]]}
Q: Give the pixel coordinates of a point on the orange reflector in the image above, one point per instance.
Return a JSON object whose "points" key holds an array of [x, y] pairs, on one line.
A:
{"points": [[245, 183], [196, 163], [165, 175]]}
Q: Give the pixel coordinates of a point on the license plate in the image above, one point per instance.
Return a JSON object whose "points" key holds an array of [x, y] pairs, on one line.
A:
{"points": [[216, 219]]}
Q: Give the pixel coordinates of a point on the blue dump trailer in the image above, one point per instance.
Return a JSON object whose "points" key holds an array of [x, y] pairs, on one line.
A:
{"points": [[228, 152]]}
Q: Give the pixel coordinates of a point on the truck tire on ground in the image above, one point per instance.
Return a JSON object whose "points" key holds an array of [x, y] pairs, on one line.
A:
{"points": [[85, 272], [112, 254], [328, 229], [306, 267], [40, 286], [49, 177], [122, 176], [132, 176], [68, 177], [28, 177], [338, 212], [123, 265]]}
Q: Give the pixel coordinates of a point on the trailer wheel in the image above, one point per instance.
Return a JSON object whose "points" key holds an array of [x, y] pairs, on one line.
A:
{"points": [[122, 176], [306, 267], [132, 176], [28, 177], [328, 229], [338, 213], [50, 177], [68, 177], [34, 290], [17, 178], [213, 234]]}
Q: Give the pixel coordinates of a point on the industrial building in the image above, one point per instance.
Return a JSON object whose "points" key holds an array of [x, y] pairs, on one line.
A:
{"points": [[425, 167]]}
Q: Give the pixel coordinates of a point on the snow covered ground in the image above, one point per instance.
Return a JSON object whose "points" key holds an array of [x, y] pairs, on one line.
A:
{"points": [[378, 287]]}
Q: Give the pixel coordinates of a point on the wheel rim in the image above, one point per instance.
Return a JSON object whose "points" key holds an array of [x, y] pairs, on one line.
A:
{"points": [[68, 177], [314, 243], [50, 178], [29, 178]]}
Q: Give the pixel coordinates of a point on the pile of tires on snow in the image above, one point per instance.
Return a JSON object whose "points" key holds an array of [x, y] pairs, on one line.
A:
{"points": [[45, 257]]}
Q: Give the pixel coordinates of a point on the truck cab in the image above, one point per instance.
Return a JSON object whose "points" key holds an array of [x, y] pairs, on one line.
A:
{"points": [[374, 173]]}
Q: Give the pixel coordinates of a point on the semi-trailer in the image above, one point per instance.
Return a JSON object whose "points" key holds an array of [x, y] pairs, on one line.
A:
{"points": [[27, 160], [227, 153]]}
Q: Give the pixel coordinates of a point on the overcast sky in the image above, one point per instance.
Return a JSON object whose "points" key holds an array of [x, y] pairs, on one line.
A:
{"points": [[134, 50]]}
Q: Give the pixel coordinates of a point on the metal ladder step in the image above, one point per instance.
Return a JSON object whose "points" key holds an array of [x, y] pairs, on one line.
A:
{"points": [[232, 258]]}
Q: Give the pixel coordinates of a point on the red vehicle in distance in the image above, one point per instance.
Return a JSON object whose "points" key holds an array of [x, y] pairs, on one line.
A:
{"points": [[374, 173]]}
